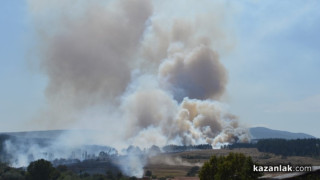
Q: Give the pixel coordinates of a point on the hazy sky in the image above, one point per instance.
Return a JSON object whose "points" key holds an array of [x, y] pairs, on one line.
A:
{"points": [[273, 65]]}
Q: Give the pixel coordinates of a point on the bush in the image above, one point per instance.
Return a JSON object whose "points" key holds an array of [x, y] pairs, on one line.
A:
{"points": [[148, 173], [12, 175], [193, 171], [9, 173]]}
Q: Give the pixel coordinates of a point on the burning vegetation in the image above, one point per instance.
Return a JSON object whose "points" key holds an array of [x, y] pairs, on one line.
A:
{"points": [[132, 71]]}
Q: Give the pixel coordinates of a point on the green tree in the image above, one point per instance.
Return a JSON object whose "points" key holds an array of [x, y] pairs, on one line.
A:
{"points": [[41, 170], [110, 175], [119, 175], [148, 173], [9, 173], [235, 166]]}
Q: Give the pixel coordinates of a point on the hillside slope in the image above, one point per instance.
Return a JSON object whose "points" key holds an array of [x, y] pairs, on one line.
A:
{"points": [[265, 133]]}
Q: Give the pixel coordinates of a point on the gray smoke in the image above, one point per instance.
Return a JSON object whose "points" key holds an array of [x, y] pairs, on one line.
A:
{"points": [[89, 58], [197, 74], [151, 73]]}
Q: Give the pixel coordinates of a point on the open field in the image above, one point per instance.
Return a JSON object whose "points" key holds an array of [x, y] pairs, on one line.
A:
{"points": [[168, 170], [178, 164]]}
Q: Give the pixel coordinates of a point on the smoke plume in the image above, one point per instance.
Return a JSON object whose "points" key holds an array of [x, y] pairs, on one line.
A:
{"points": [[197, 74], [154, 74]]}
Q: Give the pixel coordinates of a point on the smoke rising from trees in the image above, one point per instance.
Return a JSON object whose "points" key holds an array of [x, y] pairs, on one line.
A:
{"points": [[164, 75], [127, 64]]}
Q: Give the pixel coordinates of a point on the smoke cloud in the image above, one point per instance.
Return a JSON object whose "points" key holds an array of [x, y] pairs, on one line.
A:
{"points": [[88, 59], [197, 74], [159, 71]]}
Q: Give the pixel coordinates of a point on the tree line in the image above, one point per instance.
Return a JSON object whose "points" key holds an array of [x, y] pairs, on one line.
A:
{"points": [[234, 166], [177, 148], [293, 147], [44, 170]]}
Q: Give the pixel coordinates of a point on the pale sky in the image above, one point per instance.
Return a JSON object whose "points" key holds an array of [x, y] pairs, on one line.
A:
{"points": [[273, 66]]}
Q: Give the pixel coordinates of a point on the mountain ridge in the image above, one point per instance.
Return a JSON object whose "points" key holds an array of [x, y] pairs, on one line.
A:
{"points": [[267, 133], [256, 133]]}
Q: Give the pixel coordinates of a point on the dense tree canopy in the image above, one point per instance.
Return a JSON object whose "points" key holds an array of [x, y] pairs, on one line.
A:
{"points": [[40, 170], [235, 166], [297, 147], [293, 147]]}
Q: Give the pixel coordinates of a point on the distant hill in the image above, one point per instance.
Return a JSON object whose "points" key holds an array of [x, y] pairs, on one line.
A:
{"points": [[50, 134], [265, 133], [256, 133]]}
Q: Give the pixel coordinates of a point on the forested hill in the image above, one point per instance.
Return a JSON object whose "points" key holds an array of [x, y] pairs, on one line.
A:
{"points": [[256, 133], [266, 133], [49, 134]]}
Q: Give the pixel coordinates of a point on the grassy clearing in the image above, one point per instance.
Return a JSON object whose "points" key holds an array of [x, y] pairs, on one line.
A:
{"points": [[178, 164]]}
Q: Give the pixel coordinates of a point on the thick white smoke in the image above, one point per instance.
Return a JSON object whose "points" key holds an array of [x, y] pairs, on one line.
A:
{"points": [[158, 71]]}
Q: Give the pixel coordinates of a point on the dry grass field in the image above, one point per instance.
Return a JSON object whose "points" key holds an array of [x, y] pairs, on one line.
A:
{"points": [[178, 164]]}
